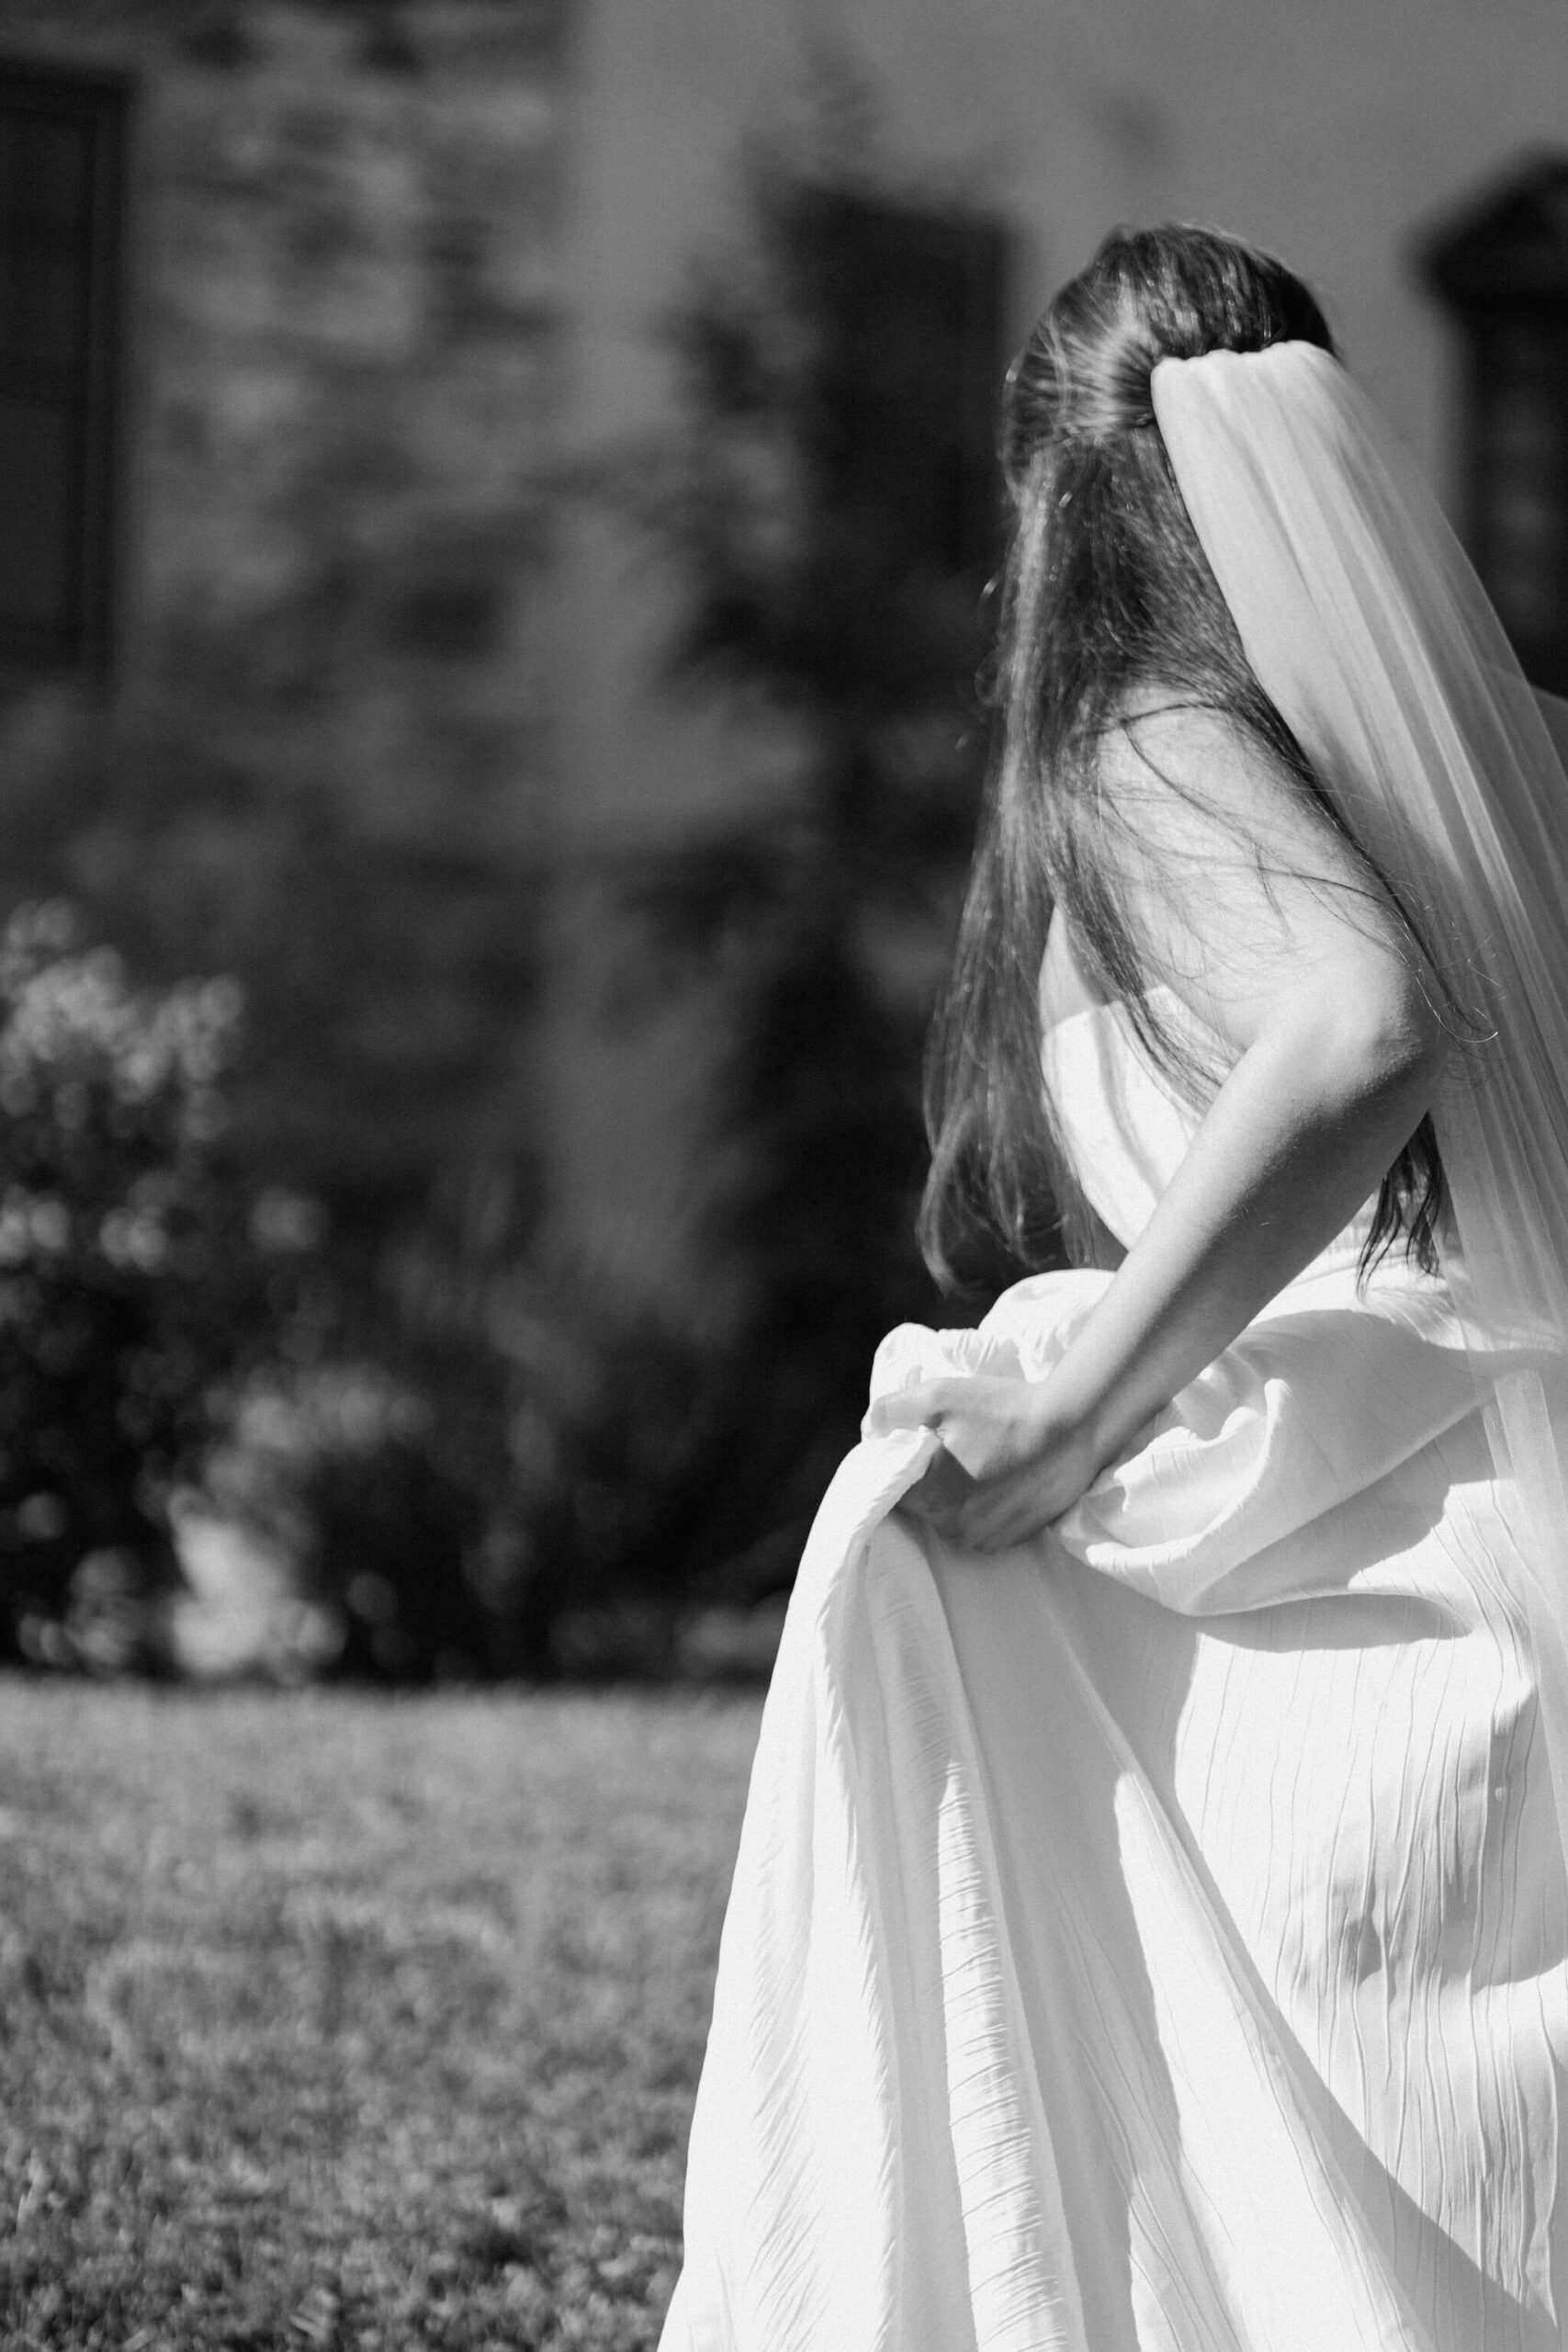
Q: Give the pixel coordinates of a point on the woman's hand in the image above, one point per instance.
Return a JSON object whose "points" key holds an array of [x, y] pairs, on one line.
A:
{"points": [[1012, 1459]]}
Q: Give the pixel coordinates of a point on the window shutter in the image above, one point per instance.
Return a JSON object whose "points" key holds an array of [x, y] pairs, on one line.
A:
{"points": [[62, 163], [911, 369], [1502, 270]]}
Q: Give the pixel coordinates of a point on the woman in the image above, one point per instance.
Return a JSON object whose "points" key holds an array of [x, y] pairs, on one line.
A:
{"points": [[1150, 1931]]}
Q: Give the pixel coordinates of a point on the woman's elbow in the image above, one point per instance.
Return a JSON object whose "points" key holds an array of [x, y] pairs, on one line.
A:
{"points": [[1390, 1031]]}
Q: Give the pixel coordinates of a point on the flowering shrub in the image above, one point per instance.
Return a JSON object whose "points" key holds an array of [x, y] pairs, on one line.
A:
{"points": [[135, 1274], [453, 1466]]}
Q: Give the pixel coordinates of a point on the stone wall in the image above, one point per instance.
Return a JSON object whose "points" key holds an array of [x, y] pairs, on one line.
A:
{"points": [[343, 329], [329, 750]]}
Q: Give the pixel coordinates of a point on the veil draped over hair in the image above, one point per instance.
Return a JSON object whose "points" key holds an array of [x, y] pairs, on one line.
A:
{"points": [[1366, 625]]}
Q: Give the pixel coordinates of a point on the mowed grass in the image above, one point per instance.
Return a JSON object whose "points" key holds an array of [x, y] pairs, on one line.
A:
{"points": [[329, 2020]]}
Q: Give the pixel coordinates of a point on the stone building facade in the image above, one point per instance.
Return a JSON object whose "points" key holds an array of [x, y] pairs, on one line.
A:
{"points": [[391, 266], [338, 367]]}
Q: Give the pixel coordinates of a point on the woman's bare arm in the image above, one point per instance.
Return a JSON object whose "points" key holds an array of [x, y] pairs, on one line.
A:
{"points": [[1310, 985]]}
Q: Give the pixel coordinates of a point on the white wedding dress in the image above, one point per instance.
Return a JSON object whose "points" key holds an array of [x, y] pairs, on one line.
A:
{"points": [[1153, 1939]]}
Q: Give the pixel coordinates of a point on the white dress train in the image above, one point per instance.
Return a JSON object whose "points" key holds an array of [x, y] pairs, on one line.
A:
{"points": [[1154, 1939]]}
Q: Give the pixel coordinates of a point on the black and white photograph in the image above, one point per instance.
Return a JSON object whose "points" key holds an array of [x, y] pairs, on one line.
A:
{"points": [[783, 1176]]}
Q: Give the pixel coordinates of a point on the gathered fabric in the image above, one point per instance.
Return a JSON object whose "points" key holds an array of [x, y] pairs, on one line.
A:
{"points": [[1154, 1939]]}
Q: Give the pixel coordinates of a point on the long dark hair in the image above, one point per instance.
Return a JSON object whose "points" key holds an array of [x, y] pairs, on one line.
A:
{"points": [[1106, 590]]}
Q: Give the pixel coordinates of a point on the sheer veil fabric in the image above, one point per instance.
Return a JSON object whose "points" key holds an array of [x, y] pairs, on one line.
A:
{"points": [[1365, 624]]}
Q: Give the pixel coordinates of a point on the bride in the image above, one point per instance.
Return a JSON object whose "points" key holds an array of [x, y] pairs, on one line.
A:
{"points": [[1150, 1928]]}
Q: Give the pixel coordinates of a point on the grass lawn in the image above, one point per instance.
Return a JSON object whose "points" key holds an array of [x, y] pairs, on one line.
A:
{"points": [[335, 2020]]}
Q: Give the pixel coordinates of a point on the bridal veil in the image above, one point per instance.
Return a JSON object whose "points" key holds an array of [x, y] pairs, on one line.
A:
{"points": [[1366, 625]]}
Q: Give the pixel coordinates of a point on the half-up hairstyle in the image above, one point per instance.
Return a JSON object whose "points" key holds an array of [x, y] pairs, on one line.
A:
{"points": [[1106, 592]]}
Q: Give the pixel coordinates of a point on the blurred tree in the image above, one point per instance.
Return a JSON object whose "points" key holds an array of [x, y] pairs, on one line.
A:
{"points": [[828, 501]]}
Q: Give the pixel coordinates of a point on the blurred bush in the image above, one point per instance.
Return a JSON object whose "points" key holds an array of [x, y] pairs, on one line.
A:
{"points": [[503, 1486], [379, 1118], [138, 1270], [449, 1450], [469, 1467], [387, 972]]}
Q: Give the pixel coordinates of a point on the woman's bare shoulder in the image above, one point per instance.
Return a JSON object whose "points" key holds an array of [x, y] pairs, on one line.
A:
{"points": [[1065, 987], [1236, 878], [1171, 757]]}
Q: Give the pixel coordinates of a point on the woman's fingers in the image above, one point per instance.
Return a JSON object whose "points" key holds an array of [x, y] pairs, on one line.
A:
{"points": [[920, 1408], [1000, 1512], [977, 1421], [986, 1514]]}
